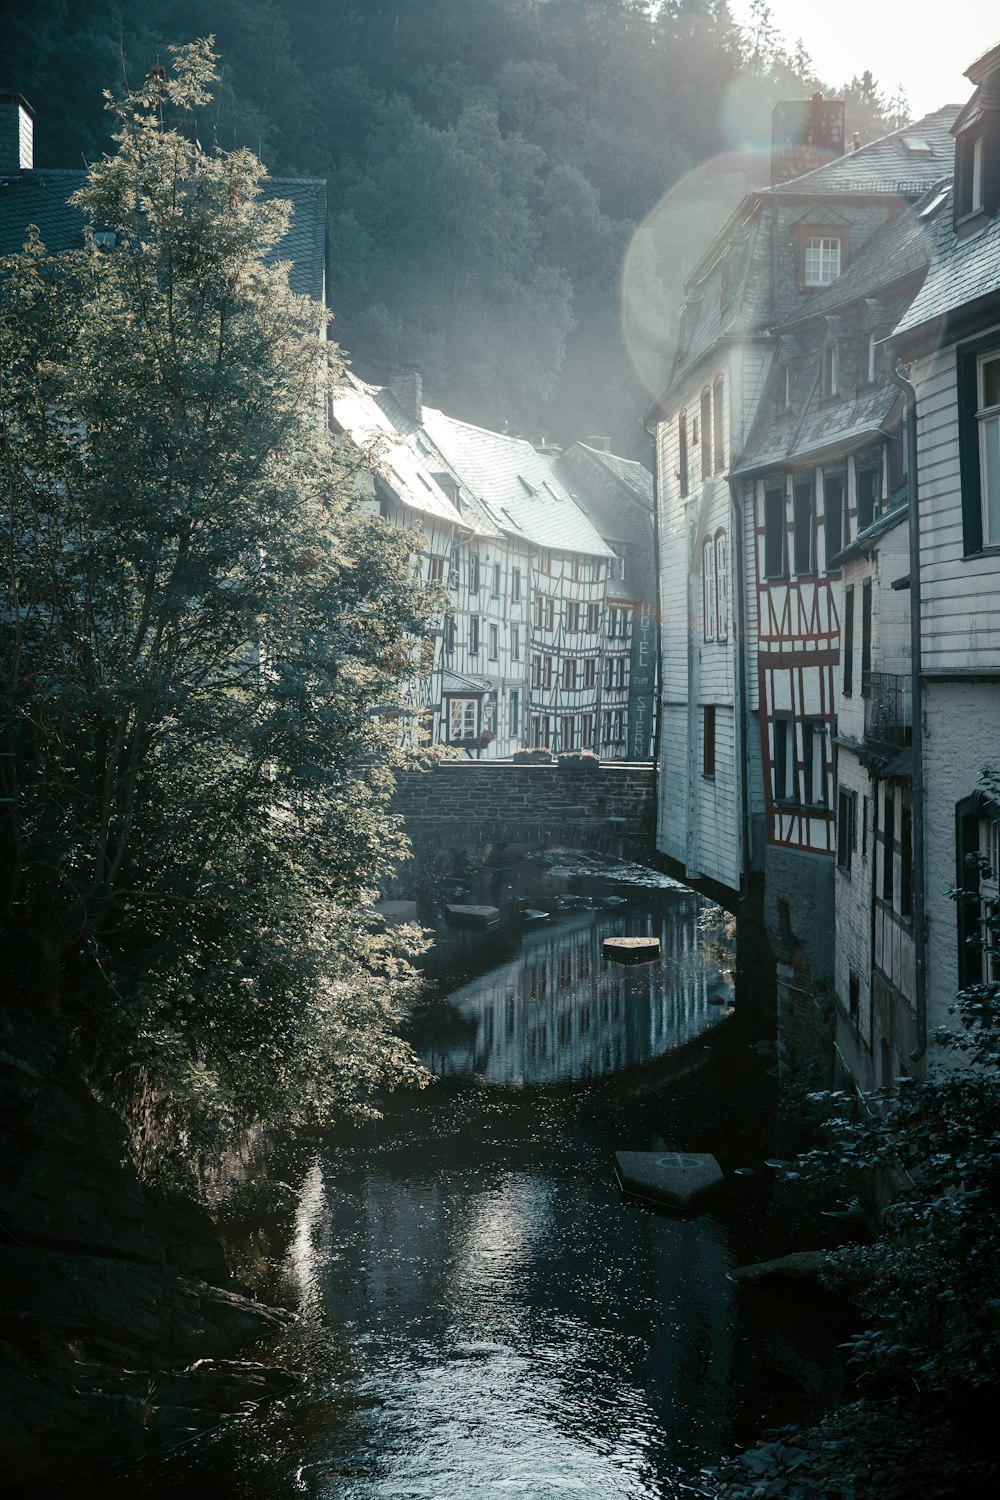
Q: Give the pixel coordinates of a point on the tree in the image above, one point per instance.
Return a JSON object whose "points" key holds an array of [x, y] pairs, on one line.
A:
{"points": [[200, 641]]}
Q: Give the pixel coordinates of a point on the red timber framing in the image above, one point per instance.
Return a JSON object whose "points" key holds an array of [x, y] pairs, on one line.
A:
{"points": [[798, 656]]}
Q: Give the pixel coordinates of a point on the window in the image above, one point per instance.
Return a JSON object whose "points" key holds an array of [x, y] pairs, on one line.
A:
{"points": [[888, 842], [820, 260], [514, 712], [708, 740], [785, 397], [494, 642], [614, 726], [616, 623], [722, 585], [576, 569], [706, 433], [463, 718], [968, 175], [539, 611], [802, 527], [589, 672], [682, 454], [593, 618], [550, 614], [978, 369], [547, 671], [573, 617], [774, 533], [540, 730], [449, 637], [866, 638], [905, 862], [473, 634], [833, 505], [544, 562], [871, 366], [708, 600], [515, 643], [868, 477], [515, 585], [569, 674], [586, 731], [847, 824], [830, 370], [848, 675], [536, 671], [988, 417], [473, 572], [784, 760], [616, 568], [495, 585], [568, 731], [718, 403], [814, 764], [435, 569]]}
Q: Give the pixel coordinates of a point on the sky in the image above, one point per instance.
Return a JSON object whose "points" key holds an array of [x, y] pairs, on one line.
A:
{"points": [[924, 44]]}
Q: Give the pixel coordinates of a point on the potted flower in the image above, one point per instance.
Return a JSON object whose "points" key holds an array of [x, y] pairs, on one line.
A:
{"points": [[541, 755], [579, 760]]}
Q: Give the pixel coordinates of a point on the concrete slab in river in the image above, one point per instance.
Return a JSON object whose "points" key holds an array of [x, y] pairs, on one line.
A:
{"points": [[631, 950], [682, 1179], [472, 916]]}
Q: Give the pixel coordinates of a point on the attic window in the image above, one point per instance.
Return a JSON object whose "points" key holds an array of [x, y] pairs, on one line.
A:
{"points": [[511, 521], [106, 238], [915, 145], [554, 493], [820, 259], [529, 489], [969, 174], [931, 208]]}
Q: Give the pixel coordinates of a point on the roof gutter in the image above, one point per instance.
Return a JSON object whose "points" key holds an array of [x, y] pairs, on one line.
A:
{"points": [[898, 376]]}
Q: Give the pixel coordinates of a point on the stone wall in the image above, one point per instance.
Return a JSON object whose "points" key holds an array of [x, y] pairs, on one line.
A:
{"points": [[464, 804]]}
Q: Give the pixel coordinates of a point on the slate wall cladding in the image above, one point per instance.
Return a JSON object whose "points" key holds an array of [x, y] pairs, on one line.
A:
{"points": [[474, 803]]}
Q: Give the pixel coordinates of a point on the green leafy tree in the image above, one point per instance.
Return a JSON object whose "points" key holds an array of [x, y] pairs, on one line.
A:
{"points": [[202, 633]]}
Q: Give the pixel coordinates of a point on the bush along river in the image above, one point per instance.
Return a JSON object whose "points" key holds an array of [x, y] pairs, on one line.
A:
{"points": [[480, 1311]]}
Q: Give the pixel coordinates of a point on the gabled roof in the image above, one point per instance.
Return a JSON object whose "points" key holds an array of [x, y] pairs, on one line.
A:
{"points": [[518, 485], [964, 270], [358, 414], [616, 493], [40, 197]]}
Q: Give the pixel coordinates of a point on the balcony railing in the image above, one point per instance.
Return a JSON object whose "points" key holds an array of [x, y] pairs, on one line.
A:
{"points": [[888, 709]]}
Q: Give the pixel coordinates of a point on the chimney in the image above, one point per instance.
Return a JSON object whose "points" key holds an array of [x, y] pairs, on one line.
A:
{"points": [[17, 135], [805, 134], [602, 444], [407, 385]]}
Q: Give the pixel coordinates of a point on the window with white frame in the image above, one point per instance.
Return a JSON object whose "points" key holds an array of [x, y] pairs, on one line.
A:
{"points": [[589, 672], [494, 642], [495, 581], [721, 585], [988, 419], [820, 260], [515, 585], [473, 634], [708, 599], [515, 643], [830, 375], [783, 753], [463, 718], [514, 711]]}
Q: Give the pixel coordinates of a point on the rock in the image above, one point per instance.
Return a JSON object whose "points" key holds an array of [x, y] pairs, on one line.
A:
{"points": [[472, 916], [682, 1179], [631, 950], [395, 913], [801, 1265]]}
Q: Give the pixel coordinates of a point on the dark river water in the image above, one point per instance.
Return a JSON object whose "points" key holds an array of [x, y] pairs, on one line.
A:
{"points": [[481, 1312]]}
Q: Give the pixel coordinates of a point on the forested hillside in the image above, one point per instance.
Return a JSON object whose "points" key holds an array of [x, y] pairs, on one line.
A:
{"points": [[489, 162]]}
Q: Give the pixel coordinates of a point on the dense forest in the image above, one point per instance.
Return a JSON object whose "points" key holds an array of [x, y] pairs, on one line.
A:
{"points": [[489, 164]]}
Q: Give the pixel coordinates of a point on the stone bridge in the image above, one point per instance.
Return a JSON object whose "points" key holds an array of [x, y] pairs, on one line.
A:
{"points": [[488, 804], [608, 809]]}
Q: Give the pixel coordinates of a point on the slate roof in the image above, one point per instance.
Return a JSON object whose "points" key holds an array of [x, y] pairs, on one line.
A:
{"points": [[519, 487], [616, 493], [899, 249], [964, 270], [357, 413], [749, 306], [888, 165], [40, 197]]}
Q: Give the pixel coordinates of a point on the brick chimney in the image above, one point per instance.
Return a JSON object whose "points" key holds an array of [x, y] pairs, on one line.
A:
{"points": [[17, 135], [805, 134], [407, 385], [602, 444]]}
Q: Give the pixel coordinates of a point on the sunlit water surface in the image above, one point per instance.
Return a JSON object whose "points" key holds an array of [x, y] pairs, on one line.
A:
{"points": [[481, 1311]]}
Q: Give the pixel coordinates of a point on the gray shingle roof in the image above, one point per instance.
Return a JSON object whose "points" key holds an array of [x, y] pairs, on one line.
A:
{"points": [[888, 165], [40, 197], [899, 249], [963, 270], [519, 486], [616, 493]]}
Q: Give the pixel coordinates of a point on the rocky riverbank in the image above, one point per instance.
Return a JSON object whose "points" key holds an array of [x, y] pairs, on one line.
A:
{"points": [[121, 1328]]}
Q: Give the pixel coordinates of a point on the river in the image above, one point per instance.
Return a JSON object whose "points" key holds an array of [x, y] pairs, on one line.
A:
{"points": [[481, 1312]]}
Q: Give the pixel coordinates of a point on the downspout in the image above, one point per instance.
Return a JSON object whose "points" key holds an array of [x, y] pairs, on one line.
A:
{"points": [[657, 607], [898, 377], [741, 694]]}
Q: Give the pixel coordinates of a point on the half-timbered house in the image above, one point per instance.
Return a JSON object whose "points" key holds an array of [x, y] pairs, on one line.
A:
{"points": [[949, 339]]}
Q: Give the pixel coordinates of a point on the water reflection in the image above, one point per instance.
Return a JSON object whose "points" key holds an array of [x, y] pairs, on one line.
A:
{"points": [[559, 1012]]}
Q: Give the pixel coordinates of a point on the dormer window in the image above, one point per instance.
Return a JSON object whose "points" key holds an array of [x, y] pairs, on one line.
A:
{"points": [[830, 372], [785, 394], [820, 259]]}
